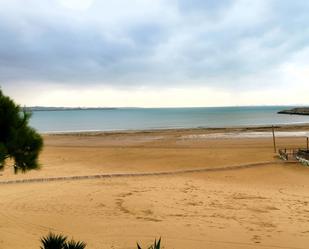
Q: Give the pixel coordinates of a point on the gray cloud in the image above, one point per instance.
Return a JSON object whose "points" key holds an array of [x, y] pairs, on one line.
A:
{"points": [[168, 43]]}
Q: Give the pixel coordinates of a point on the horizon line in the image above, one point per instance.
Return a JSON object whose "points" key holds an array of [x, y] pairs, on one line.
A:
{"points": [[162, 107]]}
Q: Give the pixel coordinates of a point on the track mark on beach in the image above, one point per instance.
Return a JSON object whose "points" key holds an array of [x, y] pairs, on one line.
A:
{"points": [[119, 203], [146, 214], [148, 219], [240, 196], [146, 174], [256, 239], [17, 218]]}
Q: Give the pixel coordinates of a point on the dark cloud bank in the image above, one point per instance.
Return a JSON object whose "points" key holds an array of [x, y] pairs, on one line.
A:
{"points": [[171, 42]]}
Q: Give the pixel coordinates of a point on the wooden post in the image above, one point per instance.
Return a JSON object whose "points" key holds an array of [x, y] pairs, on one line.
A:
{"points": [[274, 139], [307, 144]]}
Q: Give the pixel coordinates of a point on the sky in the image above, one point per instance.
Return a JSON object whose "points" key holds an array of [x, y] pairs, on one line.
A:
{"points": [[155, 53]]}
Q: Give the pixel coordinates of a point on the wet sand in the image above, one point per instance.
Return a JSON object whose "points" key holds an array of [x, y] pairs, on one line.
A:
{"points": [[266, 206]]}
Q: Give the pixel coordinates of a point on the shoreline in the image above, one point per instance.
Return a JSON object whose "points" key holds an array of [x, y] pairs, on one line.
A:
{"points": [[254, 128]]}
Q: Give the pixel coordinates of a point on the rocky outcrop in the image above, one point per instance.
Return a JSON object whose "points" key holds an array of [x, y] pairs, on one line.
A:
{"points": [[296, 111]]}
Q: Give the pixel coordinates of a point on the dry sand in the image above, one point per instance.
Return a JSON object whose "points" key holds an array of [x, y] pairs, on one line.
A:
{"points": [[259, 207]]}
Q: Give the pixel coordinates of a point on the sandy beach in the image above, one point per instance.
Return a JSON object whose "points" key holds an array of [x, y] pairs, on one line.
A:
{"points": [[265, 205], [123, 122]]}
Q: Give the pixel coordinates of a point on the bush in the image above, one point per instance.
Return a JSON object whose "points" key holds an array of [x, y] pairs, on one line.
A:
{"points": [[156, 245], [54, 241]]}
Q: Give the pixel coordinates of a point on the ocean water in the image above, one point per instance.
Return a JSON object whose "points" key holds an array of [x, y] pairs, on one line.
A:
{"points": [[160, 118]]}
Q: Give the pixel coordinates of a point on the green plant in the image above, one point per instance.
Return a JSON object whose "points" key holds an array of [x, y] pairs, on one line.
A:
{"points": [[75, 245], [156, 245], [17, 139], [54, 241]]}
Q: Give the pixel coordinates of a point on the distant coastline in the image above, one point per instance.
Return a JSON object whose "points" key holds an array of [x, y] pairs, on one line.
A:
{"points": [[296, 111], [45, 108]]}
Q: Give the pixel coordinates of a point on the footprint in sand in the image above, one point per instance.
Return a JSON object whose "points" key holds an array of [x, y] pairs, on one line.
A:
{"points": [[256, 239]]}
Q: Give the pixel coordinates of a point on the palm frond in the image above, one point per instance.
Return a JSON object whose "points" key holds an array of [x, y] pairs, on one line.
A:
{"points": [[74, 245], [155, 245], [53, 241]]}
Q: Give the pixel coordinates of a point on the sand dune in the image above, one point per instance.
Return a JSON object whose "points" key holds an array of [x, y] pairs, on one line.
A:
{"points": [[257, 207]]}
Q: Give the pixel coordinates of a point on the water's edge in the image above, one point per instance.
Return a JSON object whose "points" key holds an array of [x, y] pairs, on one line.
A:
{"points": [[120, 120]]}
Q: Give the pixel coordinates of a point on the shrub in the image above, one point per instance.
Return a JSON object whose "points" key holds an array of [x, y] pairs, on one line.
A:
{"points": [[54, 241], [155, 245]]}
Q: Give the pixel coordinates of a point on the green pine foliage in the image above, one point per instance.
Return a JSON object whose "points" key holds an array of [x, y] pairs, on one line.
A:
{"points": [[18, 141]]}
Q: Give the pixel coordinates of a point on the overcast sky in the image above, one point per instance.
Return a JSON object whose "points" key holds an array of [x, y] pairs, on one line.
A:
{"points": [[155, 52]]}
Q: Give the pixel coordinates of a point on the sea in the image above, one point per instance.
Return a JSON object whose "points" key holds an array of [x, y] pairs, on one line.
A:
{"points": [[118, 119]]}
